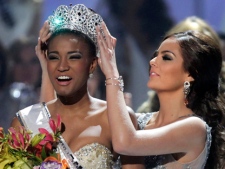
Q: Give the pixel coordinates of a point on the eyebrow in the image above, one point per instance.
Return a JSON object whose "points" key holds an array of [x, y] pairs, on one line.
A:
{"points": [[70, 52], [167, 51]]}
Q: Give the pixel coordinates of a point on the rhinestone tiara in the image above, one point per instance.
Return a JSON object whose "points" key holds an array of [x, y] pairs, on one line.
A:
{"points": [[78, 18]]}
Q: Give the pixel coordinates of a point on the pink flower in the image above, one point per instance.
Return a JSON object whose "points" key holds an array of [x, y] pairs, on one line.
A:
{"points": [[55, 128], [19, 139], [48, 136]]}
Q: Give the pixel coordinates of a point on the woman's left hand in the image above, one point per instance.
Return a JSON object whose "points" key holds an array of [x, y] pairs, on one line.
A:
{"points": [[107, 59]]}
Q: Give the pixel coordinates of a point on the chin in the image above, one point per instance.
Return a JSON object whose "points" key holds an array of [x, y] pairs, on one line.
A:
{"points": [[153, 86], [63, 93]]}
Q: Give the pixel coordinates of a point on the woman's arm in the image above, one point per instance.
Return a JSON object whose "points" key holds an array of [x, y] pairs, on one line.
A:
{"points": [[47, 92], [172, 138], [132, 162]]}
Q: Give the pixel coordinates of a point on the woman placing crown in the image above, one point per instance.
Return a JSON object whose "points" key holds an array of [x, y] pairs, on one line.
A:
{"points": [[188, 130], [71, 53]]}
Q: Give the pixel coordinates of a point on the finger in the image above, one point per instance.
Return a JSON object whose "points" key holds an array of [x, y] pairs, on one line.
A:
{"points": [[45, 38], [101, 42], [42, 29], [38, 46], [45, 32], [107, 34], [104, 43], [105, 29], [99, 61], [36, 49], [114, 40]]}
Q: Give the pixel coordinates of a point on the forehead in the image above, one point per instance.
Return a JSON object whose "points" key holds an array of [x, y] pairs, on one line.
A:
{"points": [[66, 40], [170, 44], [68, 36]]}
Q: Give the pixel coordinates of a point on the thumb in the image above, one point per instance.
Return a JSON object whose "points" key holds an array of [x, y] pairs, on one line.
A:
{"points": [[99, 62]]}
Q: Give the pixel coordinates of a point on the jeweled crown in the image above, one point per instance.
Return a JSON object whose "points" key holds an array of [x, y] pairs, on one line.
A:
{"points": [[78, 18]]}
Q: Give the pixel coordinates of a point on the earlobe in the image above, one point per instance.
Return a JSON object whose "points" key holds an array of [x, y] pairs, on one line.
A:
{"points": [[93, 65], [190, 79]]}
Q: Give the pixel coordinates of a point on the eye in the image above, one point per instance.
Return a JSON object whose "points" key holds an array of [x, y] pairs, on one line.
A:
{"points": [[166, 57], [75, 57], [53, 57]]}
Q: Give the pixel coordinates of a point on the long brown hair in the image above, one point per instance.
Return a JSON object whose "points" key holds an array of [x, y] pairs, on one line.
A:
{"points": [[203, 60]]}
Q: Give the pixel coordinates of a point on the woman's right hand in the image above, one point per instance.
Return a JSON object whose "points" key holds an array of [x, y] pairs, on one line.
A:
{"points": [[44, 35], [47, 92]]}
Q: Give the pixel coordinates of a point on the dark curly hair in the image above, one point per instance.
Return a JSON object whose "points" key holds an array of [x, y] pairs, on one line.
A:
{"points": [[203, 60]]}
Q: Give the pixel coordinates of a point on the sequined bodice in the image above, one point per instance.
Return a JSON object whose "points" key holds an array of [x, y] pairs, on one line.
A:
{"points": [[167, 161], [95, 156]]}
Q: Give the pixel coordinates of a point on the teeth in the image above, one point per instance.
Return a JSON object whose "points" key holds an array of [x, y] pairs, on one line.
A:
{"points": [[63, 77]]}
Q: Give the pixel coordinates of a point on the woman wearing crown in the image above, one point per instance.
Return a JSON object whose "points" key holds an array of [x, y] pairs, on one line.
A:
{"points": [[71, 51]]}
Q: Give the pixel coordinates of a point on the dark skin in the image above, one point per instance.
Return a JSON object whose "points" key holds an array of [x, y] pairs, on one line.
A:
{"points": [[84, 118]]}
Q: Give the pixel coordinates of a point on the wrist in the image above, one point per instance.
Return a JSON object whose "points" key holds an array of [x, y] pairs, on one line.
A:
{"points": [[115, 81], [112, 75]]}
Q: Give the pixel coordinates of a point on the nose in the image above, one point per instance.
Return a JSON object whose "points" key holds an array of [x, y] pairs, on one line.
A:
{"points": [[63, 65], [152, 62]]}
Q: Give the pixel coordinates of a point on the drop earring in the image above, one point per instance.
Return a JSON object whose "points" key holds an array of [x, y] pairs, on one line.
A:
{"points": [[90, 75], [186, 91]]}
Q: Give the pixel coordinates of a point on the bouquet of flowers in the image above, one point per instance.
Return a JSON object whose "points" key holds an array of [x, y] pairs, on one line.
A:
{"points": [[19, 150]]}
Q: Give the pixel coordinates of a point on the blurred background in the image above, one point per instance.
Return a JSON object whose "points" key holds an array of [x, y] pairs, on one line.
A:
{"points": [[138, 25]]}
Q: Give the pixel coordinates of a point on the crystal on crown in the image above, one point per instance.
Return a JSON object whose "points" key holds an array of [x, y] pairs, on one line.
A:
{"points": [[78, 18]]}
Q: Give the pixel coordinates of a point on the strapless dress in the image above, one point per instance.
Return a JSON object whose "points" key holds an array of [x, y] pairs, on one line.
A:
{"points": [[95, 156]]}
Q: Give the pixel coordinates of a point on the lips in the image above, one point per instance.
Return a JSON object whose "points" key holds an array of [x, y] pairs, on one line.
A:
{"points": [[153, 74], [63, 80]]}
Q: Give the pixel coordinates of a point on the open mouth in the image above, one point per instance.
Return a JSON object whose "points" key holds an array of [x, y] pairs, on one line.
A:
{"points": [[64, 78]]}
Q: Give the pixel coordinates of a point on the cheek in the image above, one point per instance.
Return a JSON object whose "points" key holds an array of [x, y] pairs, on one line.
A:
{"points": [[80, 67], [174, 73], [174, 76], [51, 68]]}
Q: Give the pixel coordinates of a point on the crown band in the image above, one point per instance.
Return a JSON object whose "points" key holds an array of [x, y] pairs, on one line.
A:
{"points": [[78, 18]]}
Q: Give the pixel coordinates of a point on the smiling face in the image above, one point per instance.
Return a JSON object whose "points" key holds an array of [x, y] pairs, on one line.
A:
{"points": [[69, 63], [167, 72]]}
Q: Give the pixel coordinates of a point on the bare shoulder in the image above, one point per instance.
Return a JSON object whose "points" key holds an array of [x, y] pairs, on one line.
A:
{"points": [[98, 102], [98, 106], [193, 127], [195, 122]]}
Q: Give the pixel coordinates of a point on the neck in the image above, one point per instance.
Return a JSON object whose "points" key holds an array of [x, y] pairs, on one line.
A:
{"points": [[73, 105], [172, 108], [74, 98]]}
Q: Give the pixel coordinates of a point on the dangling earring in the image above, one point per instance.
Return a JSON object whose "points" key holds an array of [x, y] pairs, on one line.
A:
{"points": [[186, 91], [90, 75]]}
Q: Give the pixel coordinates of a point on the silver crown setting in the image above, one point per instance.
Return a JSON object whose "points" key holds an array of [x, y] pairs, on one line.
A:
{"points": [[78, 18]]}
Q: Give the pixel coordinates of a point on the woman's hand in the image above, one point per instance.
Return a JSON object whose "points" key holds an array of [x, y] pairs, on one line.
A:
{"points": [[44, 35], [47, 92], [107, 59]]}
